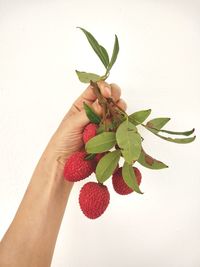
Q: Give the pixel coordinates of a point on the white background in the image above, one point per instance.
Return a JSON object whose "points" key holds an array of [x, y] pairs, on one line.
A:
{"points": [[158, 67]]}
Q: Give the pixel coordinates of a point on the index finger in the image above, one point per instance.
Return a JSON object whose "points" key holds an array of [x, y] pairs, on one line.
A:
{"points": [[87, 96]]}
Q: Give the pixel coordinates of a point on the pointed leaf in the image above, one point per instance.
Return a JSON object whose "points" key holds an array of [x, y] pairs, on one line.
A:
{"points": [[149, 162], [129, 141], [101, 143], [186, 133], [107, 165], [130, 178], [105, 54], [139, 116], [92, 116], [157, 123], [114, 54], [86, 77], [96, 47], [174, 140]]}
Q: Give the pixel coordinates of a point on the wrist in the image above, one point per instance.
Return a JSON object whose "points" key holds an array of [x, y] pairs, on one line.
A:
{"points": [[50, 169]]}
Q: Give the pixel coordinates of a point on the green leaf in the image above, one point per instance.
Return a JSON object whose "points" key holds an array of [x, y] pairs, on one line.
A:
{"points": [[96, 47], [157, 123], [149, 162], [139, 116], [129, 140], [130, 178], [86, 77], [101, 142], [114, 54], [173, 140], [186, 133], [92, 116], [105, 54], [107, 165]]}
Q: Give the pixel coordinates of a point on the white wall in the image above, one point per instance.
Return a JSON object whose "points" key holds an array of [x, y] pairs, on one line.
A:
{"points": [[158, 67]]}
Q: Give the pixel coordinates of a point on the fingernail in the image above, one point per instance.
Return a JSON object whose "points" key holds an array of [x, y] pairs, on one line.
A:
{"points": [[107, 91]]}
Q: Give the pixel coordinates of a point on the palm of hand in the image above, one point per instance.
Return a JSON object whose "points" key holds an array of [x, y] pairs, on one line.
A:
{"points": [[68, 137]]}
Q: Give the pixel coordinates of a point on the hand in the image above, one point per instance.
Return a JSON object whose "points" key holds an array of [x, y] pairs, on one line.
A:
{"points": [[44, 202], [68, 137]]}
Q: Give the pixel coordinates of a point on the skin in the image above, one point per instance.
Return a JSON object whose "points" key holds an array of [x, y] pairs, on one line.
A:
{"points": [[31, 237]]}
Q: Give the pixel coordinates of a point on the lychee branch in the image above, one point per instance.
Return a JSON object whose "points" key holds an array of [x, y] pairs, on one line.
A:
{"points": [[109, 137], [102, 101], [109, 107]]}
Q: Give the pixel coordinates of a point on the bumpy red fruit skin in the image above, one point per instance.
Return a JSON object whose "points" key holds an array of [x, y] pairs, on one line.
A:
{"points": [[118, 182], [89, 131], [77, 168], [94, 199]]}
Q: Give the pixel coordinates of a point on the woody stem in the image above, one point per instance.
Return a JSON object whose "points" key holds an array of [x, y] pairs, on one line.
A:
{"points": [[102, 101]]}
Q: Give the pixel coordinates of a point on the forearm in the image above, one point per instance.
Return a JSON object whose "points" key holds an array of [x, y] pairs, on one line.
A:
{"points": [[31, 237]]}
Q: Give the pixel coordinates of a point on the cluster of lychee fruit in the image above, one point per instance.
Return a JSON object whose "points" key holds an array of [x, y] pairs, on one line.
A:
{"points": [[94, 197], [111, 137]]}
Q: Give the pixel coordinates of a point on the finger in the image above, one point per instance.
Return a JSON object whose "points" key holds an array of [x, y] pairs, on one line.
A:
{"points": [[97, 107], [105, 88], [87, 96], [121, 104], [77, 107], [115, 92], [80, 120]]}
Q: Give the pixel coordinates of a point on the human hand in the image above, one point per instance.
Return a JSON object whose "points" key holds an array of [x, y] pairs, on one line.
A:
{"points": [[68, 137]]}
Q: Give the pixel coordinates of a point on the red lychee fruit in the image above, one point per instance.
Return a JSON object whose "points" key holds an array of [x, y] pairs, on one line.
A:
{"points": [[94, 199], [77, 168], [118, 182], [89, 131]]}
